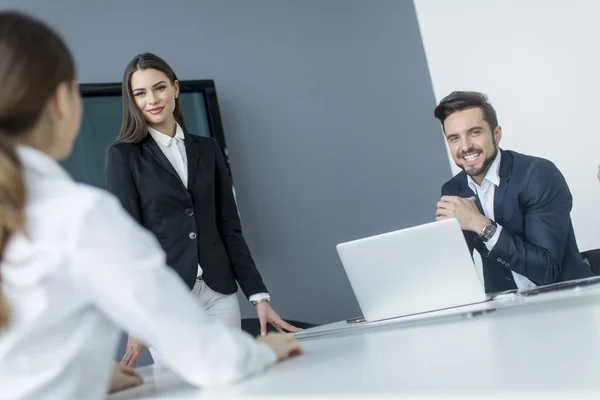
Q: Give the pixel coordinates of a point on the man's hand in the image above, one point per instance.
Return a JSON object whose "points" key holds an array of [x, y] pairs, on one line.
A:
{"points": [[134, 350], [123, 377], [464, 210], [267, 315]]}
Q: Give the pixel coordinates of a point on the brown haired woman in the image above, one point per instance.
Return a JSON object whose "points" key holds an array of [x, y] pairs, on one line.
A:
{"points": [[75, 266], [178, 186]]}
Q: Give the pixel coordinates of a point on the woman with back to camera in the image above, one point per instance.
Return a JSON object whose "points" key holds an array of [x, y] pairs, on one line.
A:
{"points": [[178, 186], [75, 266]]}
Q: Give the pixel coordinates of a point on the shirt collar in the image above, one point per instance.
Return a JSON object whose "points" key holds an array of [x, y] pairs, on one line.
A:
{"points": [[40, 163], [492, 175], [163, 138]]}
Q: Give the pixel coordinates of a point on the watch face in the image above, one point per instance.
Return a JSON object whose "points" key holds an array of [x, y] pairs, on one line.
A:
{"points": [[489, 231]]}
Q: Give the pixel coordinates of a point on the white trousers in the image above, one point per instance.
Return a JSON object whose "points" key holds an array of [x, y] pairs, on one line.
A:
{"points": [[224, 307]]}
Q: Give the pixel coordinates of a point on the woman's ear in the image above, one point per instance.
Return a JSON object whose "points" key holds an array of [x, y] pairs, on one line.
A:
{"points": [[60, 102]]}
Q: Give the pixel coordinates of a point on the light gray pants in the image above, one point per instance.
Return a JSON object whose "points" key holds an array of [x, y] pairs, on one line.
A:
{"points": [[220, 306]]}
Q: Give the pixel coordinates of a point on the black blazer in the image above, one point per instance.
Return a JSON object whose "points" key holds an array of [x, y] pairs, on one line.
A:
{"points": [[199, 224], [533, 206]]}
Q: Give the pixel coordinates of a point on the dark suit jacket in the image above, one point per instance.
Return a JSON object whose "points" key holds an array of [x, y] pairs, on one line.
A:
{"points": [[533, 206], [199, 224]]}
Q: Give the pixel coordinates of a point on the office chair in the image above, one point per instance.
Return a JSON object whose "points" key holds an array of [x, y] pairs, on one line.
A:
{"points": [[592, 259]]}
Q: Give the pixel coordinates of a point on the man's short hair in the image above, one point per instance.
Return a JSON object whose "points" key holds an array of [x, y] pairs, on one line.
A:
{"points": [[459, 101]]}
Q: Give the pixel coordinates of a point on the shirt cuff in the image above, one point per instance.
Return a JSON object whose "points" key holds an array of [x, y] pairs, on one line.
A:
{"points": [[259, 296], [492, 242]]}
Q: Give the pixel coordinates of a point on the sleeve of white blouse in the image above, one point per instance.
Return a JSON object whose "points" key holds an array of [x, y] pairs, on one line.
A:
{"points": [[122, 269]]}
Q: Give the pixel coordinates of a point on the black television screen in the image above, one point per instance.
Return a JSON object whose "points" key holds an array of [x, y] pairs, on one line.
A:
{"points": [[101, 123]]}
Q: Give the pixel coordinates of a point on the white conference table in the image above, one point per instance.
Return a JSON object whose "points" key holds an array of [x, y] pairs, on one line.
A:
{"points": [[544, 346]]}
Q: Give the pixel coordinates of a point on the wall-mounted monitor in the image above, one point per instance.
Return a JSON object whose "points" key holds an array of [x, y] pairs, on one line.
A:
{"points": [[103, 105]]}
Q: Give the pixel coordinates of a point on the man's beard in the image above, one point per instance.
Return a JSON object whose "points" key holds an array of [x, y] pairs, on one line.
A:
{"points": [[484, 166]]}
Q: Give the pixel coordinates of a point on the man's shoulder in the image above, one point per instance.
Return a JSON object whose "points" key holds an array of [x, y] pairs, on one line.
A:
{"points": [[528, 165], [537, 179]]}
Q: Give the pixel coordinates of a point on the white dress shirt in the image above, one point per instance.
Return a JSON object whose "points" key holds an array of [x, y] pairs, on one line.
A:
{"points": [[486, 192], [174, 149], [84, 268]]}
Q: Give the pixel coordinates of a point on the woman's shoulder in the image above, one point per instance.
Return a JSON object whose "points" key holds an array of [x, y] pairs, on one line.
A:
{"points": [[86, 203], [202, 140], [63, 205], [205, 143], [75, 196], [119, 152], [124, 147]]}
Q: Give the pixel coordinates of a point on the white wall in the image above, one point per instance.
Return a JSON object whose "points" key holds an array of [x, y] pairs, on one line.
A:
{"points": [[538, 61]]}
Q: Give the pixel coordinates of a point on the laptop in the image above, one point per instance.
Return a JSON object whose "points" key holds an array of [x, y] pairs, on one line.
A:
{"points": [[420, 269]]}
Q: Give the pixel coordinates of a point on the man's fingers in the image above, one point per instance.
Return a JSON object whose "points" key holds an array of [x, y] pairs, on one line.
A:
{"points": [[442, 204], [445, 212], [455, 199], [449, 199], [444, 208]]}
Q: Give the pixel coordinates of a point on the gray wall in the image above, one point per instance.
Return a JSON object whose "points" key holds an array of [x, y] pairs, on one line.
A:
{"points": [[327, 109]]}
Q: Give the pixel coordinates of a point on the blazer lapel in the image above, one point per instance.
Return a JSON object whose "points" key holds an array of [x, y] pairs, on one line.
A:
{"points": [[504, 173], [466, 192], [191, 151], [152, 147]]}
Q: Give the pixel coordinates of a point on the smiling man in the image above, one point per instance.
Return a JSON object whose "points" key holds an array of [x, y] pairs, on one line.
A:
{"points": [[513, 208]]}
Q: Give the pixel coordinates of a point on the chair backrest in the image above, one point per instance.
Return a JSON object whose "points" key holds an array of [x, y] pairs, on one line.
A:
{"points": [[592, 259]]}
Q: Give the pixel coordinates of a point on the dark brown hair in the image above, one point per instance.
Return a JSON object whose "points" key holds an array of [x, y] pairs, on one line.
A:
{"points": [[34, 61], [459, 101], [134, 128]]}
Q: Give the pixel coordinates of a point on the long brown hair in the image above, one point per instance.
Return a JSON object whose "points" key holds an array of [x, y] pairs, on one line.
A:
{"points": [[134, 128], [34, 61]]}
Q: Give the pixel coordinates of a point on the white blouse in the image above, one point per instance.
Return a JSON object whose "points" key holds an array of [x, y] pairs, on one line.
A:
{"points": [[83, 270]]}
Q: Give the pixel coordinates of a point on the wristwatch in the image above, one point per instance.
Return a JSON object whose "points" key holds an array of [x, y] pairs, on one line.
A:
{"points": [[488, 231], [255, 302]]}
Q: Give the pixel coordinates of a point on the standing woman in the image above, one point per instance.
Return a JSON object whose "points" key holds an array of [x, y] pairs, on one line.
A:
{"points": [[76, 268], [178, 186]]}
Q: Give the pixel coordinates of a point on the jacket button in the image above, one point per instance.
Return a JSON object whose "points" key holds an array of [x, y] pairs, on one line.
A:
{"points": [[192, 235], [508, 264], [499, 259], [189, 212], [507, 278]]}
